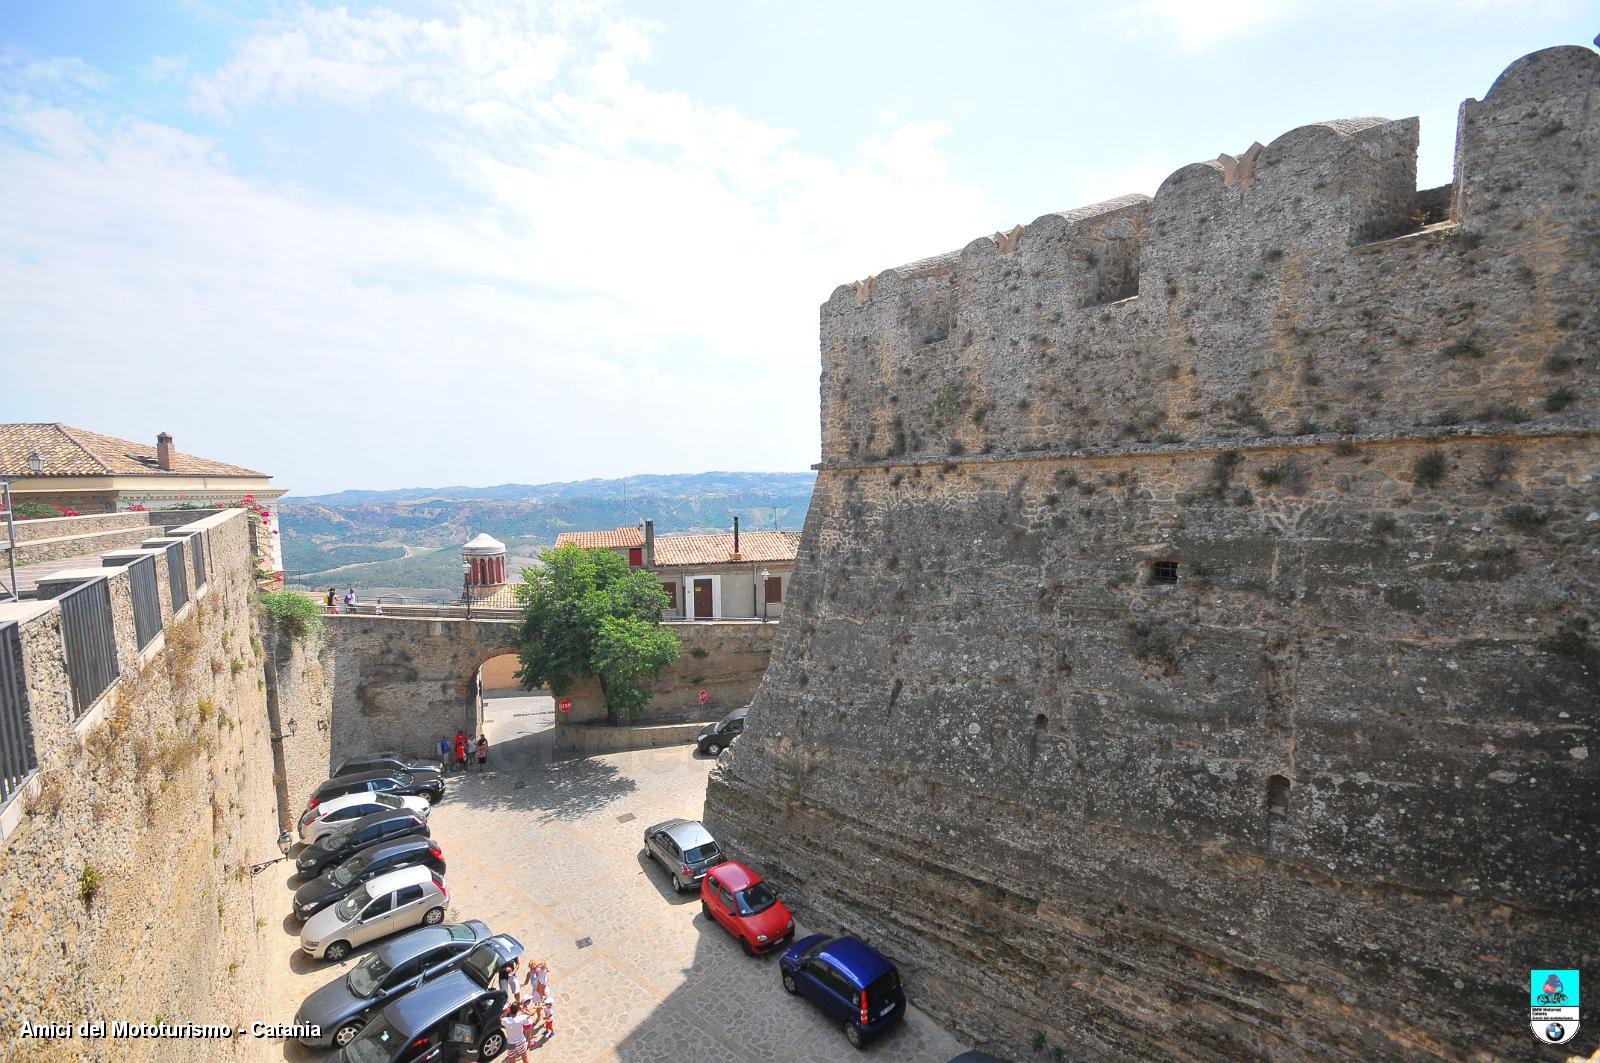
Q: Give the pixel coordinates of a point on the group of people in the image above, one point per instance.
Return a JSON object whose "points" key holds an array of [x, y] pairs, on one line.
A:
{"points": [[330, 600], [465, 749], [528, 1004]]}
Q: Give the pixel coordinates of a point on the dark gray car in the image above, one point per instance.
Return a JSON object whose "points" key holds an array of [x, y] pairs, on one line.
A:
{"points": [[346, 841], [685, 849], [340, 1008], [715, 737], [390, 760]]}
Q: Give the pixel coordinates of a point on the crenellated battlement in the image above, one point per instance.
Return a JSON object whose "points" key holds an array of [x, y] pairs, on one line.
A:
{"points": [[1257, 295]]}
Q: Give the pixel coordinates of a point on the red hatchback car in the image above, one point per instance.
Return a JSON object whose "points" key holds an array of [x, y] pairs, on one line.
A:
{"points": [[736, 897]]}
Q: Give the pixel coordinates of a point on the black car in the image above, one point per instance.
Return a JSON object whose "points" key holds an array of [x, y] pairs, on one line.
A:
{"points": [[448, 1020], [336, 883], [390, 782], [338, 845], [387, 761], [716, 737], [339, 1009]]}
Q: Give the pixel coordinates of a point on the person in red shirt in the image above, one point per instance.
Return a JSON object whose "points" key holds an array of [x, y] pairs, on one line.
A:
{"points": [[461, 750]]}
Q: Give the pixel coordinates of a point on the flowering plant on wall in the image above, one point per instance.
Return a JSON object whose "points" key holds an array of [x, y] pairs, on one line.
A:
{"points": [[138, 507]]}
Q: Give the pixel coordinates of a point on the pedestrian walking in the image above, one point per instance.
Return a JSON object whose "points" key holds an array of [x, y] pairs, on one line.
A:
{"points": [[483, 751], [350, 600], [444, 752], [329, 600], [516, 1033], [461, 750]]}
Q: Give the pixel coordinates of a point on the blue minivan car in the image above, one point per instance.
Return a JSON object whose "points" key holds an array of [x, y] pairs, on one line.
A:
{"points": [[850, 981]]}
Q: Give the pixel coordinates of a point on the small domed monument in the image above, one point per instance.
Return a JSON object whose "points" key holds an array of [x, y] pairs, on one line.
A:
{"points": [[483, 574]]}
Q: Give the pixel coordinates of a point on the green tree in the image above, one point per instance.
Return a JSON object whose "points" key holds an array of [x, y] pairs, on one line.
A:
{"points": [[586, 613]]}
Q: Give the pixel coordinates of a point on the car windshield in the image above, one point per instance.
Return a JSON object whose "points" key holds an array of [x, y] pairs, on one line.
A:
{"points": [[883, 987], [368, 976], [376, 1044], [349, 871], [730, 722], [707, 853], [352, 904], [403, 778], [336, 839], [389, 800], [757, 898]]}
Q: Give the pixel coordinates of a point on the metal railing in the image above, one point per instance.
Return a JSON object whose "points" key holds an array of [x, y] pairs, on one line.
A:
{"points": [[197, 550], [146, 600], [17, 759], [177, 576], [91, 642]]}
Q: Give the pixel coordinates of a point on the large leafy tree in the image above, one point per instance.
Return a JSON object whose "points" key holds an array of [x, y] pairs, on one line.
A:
{"points": [[587, 614]]}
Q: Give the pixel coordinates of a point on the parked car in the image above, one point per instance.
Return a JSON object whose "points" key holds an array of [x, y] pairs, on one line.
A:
{"points": [[715, 737], [393, 782], [447, 1020], [737, 898], [339, 1009], [330, 814], [387, 761], [340, 880], [377, 908], [339, 844], [849, 980], [685, 849]]}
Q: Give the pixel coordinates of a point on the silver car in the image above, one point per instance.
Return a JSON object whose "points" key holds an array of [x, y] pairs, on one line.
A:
{"points": [[396, 901], [335, 813], [685, 849]]}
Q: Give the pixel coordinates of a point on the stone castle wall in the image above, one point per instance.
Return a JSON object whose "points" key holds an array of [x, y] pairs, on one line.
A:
{"points": [[125, 883], [1330, 793]]}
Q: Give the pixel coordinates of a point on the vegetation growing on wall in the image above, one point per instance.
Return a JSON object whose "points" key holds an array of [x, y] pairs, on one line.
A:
{"points": [[293, 614]]}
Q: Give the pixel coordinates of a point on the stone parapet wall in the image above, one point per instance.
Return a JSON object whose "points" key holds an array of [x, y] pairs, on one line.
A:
{"points": [[61, 527], [1327, 793], [127, 894], [83, 544]]}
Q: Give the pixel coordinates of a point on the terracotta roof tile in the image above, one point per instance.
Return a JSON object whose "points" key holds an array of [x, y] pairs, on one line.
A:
{"points": [[622, 537], [758, 547], [69, 451]]}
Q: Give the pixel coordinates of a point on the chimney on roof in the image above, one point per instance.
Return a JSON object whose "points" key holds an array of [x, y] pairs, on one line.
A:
{"points": [[649, 544], [736, 555], [164, 451]]}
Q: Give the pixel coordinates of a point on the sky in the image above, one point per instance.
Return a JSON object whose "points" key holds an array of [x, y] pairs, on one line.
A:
{"points": [[429, 243]]}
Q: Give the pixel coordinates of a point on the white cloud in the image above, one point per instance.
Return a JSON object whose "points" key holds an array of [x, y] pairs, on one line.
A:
{"points": [[1198, 25], [621, 279]]}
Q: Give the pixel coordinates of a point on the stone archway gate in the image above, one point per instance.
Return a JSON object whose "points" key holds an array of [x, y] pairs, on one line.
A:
{"points": [[402, 682]]}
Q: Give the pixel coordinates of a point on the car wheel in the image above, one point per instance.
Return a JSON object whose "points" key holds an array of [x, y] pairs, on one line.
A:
{"points": [[705, 910], [336, 952], [749, 950], [434, 917], [713, 748], [788, 983], [677, 883], [346, 1033], [852, 1033], [492, 1045]]}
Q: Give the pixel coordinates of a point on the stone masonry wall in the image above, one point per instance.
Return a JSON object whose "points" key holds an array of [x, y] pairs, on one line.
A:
{"points": [[125, 884], [1330, 794]]}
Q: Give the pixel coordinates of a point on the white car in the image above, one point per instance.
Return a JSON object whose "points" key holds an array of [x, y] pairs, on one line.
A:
{"points": [[337, 811], [389, 903]]}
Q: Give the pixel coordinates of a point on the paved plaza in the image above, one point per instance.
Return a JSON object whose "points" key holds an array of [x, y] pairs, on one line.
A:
{"points": [[551, 851]]}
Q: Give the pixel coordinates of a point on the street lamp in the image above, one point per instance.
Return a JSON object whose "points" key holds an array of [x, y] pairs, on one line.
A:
{"points": [[765, 575], [466, 586], [35, 467]]}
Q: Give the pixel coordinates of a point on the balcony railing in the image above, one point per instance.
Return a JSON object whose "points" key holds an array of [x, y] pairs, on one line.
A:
{"points": [[17, 760]]}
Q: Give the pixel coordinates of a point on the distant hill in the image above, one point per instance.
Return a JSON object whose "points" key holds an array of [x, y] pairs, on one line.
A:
{"points": [[404, 542]]}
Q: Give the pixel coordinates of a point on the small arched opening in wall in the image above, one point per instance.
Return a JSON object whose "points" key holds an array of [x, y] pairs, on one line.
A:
{"points": [[1278, 787]]}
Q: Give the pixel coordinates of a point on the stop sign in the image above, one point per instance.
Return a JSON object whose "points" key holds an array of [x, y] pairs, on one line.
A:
{"points": [[702, 697], [565, 705]]}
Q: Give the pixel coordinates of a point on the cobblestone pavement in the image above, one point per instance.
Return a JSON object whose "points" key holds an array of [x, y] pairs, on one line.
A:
{"points": [[552, 852]]}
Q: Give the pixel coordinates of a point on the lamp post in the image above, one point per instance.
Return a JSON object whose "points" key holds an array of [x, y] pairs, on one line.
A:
{"points": [[35, 468], [466, 586], [765, 575]]}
